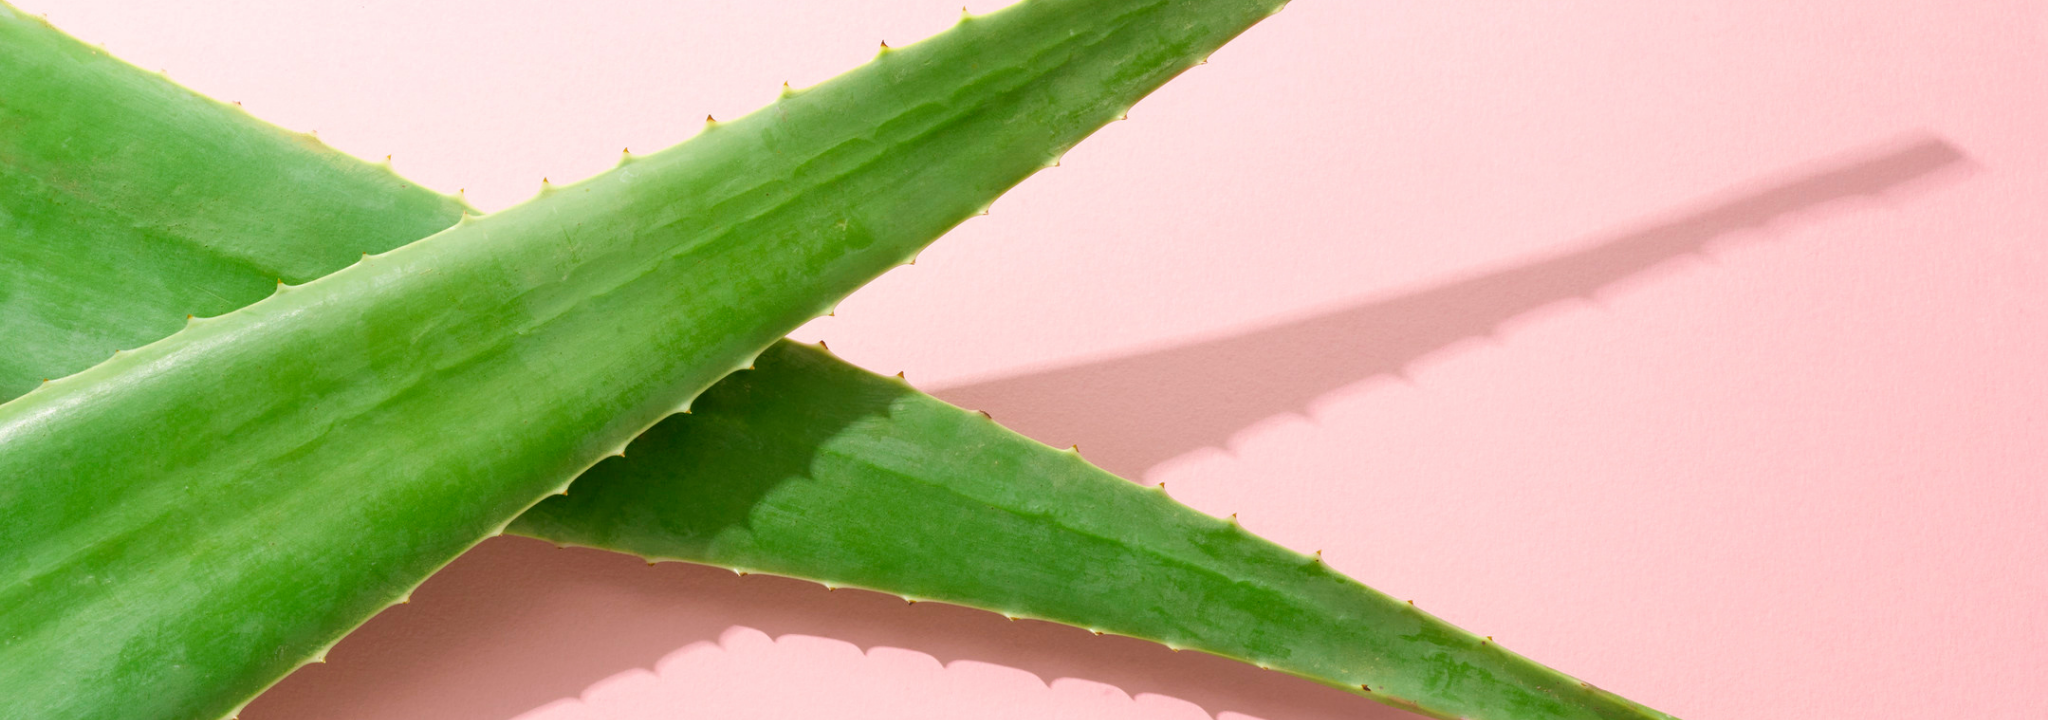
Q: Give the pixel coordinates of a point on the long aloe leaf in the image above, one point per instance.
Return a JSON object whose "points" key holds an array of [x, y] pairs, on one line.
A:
{"points": [[827, 472], [190, 520]]}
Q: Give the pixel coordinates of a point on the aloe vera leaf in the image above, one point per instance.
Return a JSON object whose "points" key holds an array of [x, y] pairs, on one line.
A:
{"points": [[126, 205], [815, 407], [190, 520], [830, 473]]}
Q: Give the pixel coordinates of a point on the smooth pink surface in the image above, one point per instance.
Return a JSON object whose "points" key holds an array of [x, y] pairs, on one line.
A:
{"points": [[1695, 349]]}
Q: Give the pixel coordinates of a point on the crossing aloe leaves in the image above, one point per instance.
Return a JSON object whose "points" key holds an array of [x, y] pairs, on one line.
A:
{"points": [[208, 511], [786, 469]]}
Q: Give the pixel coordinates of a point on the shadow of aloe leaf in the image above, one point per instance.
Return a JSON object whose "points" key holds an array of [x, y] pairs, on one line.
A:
{"points": [[517, 624], [1131, 413]]}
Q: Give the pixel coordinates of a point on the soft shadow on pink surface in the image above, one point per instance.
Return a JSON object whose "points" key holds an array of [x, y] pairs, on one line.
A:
{"points": [[1129, 414], [517, 624], [469, 647]]}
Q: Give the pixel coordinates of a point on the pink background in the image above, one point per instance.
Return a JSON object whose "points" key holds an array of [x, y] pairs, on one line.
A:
{"points": [[1695, 349]]}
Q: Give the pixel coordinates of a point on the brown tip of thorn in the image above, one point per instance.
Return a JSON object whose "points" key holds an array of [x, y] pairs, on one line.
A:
{"points": [[823, 346], [899, 375], [984, 413], [1365, 687], [709, 119]]}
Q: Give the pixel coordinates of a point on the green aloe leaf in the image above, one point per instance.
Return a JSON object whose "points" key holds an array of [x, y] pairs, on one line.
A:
{"points": [[190, 520], [812, 468], [128, 203]]}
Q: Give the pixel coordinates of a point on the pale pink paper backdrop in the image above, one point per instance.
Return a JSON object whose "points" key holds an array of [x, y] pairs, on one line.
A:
{"points": [[1695, 349]]}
